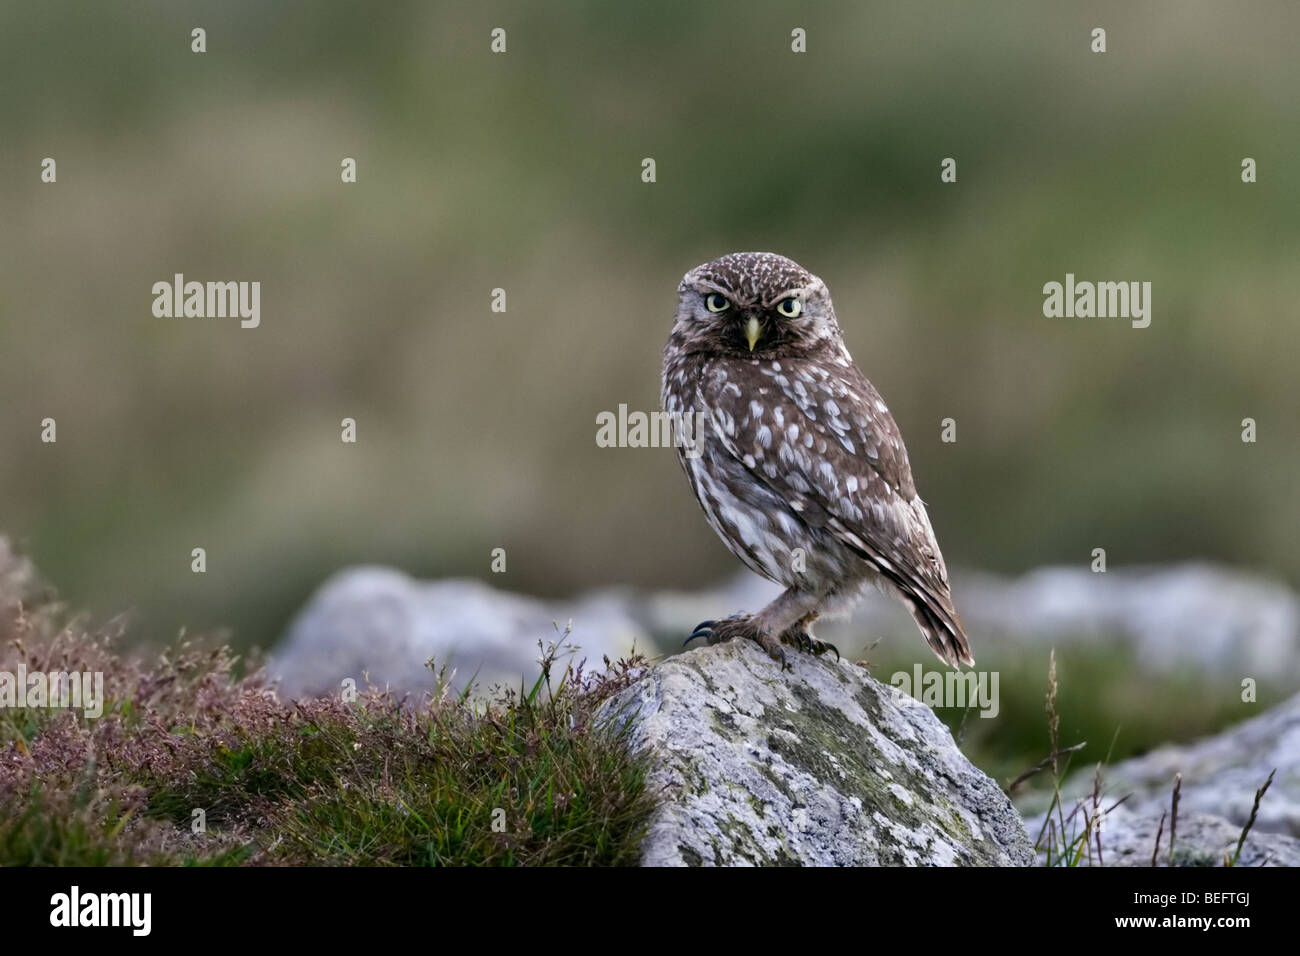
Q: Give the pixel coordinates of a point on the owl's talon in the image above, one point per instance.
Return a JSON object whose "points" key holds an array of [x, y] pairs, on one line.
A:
{"points": [[703, 629], [821, 647], [797, 637], [801, 639], [719, 632]]}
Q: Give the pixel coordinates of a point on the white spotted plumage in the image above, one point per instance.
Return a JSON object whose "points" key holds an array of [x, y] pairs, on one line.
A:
{"points": [[799, 451]]}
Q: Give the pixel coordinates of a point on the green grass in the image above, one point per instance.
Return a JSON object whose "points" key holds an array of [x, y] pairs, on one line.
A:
{"points": [[1108, 700], [531, 778]]}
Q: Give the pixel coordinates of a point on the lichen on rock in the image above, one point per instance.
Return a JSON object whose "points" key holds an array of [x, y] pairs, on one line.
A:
{"points": [[820, 766]]}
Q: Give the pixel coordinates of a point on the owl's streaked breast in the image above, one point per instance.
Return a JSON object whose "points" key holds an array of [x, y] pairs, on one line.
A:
{"points": [[755, 522]]}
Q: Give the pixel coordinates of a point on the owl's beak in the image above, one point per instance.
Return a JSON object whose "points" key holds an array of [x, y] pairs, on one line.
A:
{"points": [[752, 330]]}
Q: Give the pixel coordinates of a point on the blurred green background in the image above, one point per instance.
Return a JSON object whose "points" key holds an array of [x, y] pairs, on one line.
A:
{"points": [[522, 171]]}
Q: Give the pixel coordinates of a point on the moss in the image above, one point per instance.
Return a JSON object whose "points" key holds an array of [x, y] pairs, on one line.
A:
{"points": [[741, 843], [820, 730], [723, 722], [694, 663], [694, 781], [775, 778], [1195, 856], [689, 855]]}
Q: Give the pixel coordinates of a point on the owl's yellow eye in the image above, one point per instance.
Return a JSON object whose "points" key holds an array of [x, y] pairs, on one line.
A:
{"points": [[716, 303], [790, 308]]}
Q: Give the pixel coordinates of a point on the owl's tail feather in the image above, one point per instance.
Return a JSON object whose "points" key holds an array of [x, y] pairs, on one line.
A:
{"points": [[929, 602], [936, 617], [943, 632]]}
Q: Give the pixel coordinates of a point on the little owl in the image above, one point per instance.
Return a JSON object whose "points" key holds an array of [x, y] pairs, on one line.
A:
{"points": [[799, 466]]}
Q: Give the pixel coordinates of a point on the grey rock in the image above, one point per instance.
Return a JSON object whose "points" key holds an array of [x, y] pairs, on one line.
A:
{"points": [[822, 765], [19, 580], [1202, 839], [1221, 774], [20, 587], [1189, 616], [382, 621], [380, 625]]}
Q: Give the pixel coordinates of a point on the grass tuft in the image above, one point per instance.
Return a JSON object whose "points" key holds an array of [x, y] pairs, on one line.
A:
{"points": [[190, 764]]}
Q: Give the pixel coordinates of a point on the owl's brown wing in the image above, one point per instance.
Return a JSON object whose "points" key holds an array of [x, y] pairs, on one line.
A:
{"points": [[819, 435]]}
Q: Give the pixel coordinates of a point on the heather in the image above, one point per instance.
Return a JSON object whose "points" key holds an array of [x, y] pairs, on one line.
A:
{"points": [[195, 760]]}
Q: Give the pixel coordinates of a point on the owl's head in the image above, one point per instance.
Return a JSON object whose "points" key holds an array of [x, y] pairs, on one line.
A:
{"points": [[754, 305]]}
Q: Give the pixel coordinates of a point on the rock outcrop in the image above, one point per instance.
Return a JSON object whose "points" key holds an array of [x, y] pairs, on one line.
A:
{"points": [[1129, 839], [383, 625], [821, 765], [1220, 775], [1191, 617]]}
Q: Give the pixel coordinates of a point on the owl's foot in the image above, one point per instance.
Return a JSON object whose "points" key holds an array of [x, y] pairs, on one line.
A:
{"points": [[801, 639], [739, 625]]}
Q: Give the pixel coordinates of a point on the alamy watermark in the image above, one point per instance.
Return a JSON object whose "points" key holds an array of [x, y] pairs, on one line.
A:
{"points": [[132, 911], [63, 689], [624, 429], [208, 300], [1101, 300], [951, 688]]}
